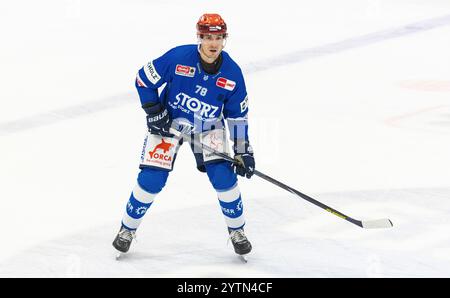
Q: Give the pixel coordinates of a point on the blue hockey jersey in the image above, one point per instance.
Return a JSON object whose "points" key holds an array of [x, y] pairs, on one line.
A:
{"points": [[190, 94]]}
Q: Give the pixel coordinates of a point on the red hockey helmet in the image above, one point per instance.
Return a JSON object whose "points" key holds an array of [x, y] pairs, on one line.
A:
{"points": [[211, 23]]}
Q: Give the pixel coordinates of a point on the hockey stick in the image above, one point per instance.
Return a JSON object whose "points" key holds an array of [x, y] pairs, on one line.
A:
{"points": [[367, 224]]}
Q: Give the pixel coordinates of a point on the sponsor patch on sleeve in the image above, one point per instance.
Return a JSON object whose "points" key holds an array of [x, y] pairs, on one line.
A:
{"points": [[226, 84], [151, 73], [244, 104]]}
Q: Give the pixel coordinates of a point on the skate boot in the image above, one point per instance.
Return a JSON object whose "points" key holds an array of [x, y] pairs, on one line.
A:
{"points": [[240, 242], [123, 240]]}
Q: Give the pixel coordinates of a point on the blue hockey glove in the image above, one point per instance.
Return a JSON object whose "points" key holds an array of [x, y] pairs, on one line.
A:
{"points": [[158, 119], [245, 162]]}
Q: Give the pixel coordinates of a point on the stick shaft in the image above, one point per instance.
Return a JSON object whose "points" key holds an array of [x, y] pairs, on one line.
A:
{"points": [[274, 181]]}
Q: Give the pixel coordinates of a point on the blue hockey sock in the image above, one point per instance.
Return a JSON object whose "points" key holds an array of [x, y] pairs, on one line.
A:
{"points": [[232, 208], [138, 204]]}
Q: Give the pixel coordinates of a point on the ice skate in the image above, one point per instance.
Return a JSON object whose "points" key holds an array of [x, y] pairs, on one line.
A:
{"points": [[241, 245], [123, 241]]}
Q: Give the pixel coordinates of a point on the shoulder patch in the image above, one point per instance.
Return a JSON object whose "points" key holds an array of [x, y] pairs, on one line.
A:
{"points": [[226, 84], [244, 104], [151, 73]]}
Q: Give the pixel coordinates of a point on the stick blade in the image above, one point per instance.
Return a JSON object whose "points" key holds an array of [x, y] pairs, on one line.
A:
{"points": [[377, 224]]}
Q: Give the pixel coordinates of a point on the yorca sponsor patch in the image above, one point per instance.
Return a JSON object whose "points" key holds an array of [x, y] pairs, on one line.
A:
{"points": [[158, 152], [184, 70]]}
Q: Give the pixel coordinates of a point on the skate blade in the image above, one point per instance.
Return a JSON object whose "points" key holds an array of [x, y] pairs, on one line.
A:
{"points": [[118, 256], [243, 258]]}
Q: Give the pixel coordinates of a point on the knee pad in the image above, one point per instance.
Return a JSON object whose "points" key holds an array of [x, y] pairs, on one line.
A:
{"points": [[221, 175], [152, 180]]}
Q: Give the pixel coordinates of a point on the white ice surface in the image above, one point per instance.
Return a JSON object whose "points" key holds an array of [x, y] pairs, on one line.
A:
{"points": [[364, 129]]}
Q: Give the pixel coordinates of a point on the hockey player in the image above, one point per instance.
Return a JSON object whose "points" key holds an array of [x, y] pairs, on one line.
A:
{"points": [[201, 87]]}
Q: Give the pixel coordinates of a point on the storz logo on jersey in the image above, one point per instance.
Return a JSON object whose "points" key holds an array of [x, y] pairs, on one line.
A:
{"points": [[226, 84], [183, 70], [192, 104]]}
